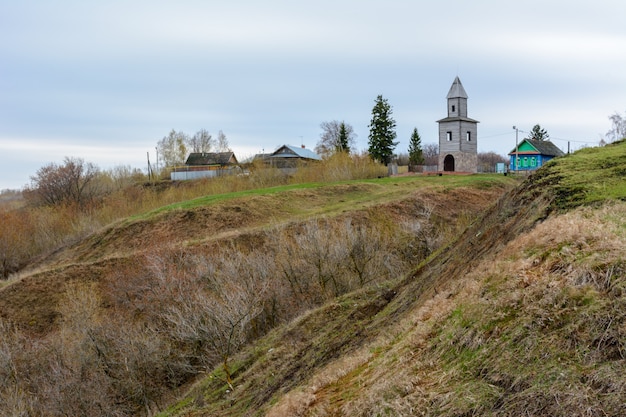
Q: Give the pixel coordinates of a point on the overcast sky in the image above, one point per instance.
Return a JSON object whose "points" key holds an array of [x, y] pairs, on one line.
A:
{"points": [[105, 80]]}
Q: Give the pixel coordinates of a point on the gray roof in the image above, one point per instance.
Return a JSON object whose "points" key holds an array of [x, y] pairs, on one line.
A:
{"points": [[288, 151], [544, 147], [211, 158], [457, 90], [456, 119]]}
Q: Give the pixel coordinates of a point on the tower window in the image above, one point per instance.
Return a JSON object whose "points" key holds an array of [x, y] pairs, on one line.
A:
{"points": [[453, 108], [468, 136], [449, 136]]}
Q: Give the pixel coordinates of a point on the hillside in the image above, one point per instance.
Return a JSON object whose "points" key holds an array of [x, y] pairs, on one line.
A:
{"points": [[119, 322], [523, 314]]}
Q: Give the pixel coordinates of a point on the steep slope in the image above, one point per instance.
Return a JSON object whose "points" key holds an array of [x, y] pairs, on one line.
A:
{"points": [[524, 314], [242, 219], [122, 321]]}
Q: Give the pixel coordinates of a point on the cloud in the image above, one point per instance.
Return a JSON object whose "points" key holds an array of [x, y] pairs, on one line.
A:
{"points": [[108, 79]]}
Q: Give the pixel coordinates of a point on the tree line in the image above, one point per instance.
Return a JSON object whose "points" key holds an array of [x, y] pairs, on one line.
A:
{"points": [[172, 150]]}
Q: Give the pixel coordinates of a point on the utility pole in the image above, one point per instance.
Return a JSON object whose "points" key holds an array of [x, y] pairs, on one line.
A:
{"points": [[149, 167], [516, 147]]}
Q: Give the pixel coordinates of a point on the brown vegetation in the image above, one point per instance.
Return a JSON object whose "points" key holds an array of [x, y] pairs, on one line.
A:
{"points": [[114, 323], [523, 314]]}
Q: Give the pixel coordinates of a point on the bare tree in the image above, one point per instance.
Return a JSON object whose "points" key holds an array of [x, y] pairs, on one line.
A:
{"points": [[618, 128], [335, 136], [430, 152], [173, 148], [73, 182], [365, 253], [222, 142], [487, 161], [212, 316], [201, 141]]}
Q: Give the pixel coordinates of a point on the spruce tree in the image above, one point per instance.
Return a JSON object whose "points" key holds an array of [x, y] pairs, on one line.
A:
{"points": [[382, 132], [416, 156], [342, 141]]}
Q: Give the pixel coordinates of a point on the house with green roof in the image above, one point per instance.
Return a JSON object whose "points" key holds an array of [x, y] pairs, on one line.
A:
{"points": [[532, 154]]}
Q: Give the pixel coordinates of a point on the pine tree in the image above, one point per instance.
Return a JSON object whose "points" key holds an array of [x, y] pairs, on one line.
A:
{"points": [[538, 133], [382, 132], [416, 156]]}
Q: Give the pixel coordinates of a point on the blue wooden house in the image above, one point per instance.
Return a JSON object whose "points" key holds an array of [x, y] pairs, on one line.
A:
{"points": [[532, 154]]}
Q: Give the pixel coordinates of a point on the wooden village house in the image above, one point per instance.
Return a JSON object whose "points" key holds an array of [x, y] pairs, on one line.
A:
{"points": [[206, 165], [532, 154], [287, 158]]}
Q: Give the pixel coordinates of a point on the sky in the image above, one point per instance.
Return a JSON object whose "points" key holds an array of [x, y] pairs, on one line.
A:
{"points": [[106, 80]]}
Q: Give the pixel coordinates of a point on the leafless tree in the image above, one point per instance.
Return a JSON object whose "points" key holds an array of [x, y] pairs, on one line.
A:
{"points": [[487, 161], [222, 142], [322, 254], [430, 154], [618, 128], [201, 141], [173, 148], [332, 137], [365, 252], [213, 315], [73, 182]]}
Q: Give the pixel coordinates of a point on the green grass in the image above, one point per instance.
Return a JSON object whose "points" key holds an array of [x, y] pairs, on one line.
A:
{"points": [[588, 176], [375, 188]]}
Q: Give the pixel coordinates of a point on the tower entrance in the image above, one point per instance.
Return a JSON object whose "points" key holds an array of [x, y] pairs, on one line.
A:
{"points": [[448, 163]]}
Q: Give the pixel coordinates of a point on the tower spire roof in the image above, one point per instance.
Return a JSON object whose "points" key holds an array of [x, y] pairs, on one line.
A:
{"points": [[457, 90]]}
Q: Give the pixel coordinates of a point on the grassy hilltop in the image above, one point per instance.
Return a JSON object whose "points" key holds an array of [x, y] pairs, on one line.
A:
{"points": [[523, 314]]}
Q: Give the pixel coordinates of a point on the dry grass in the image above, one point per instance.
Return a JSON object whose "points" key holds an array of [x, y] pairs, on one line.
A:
{"points": [[537, 330], [521, 333]]}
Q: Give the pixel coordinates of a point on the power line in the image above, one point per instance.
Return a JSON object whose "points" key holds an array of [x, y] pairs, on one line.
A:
{"points": [[493, 136], [550, 137], [572, 140]]}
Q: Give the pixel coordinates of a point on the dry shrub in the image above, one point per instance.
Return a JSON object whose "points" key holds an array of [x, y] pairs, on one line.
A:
{"points": [[322, 259], [121, 195], [14, 400], [340, 167]]}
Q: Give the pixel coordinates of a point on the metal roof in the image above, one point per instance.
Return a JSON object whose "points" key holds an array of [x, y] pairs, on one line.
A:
{"points": [[289, 151], [457, 90], [544, 147]]}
